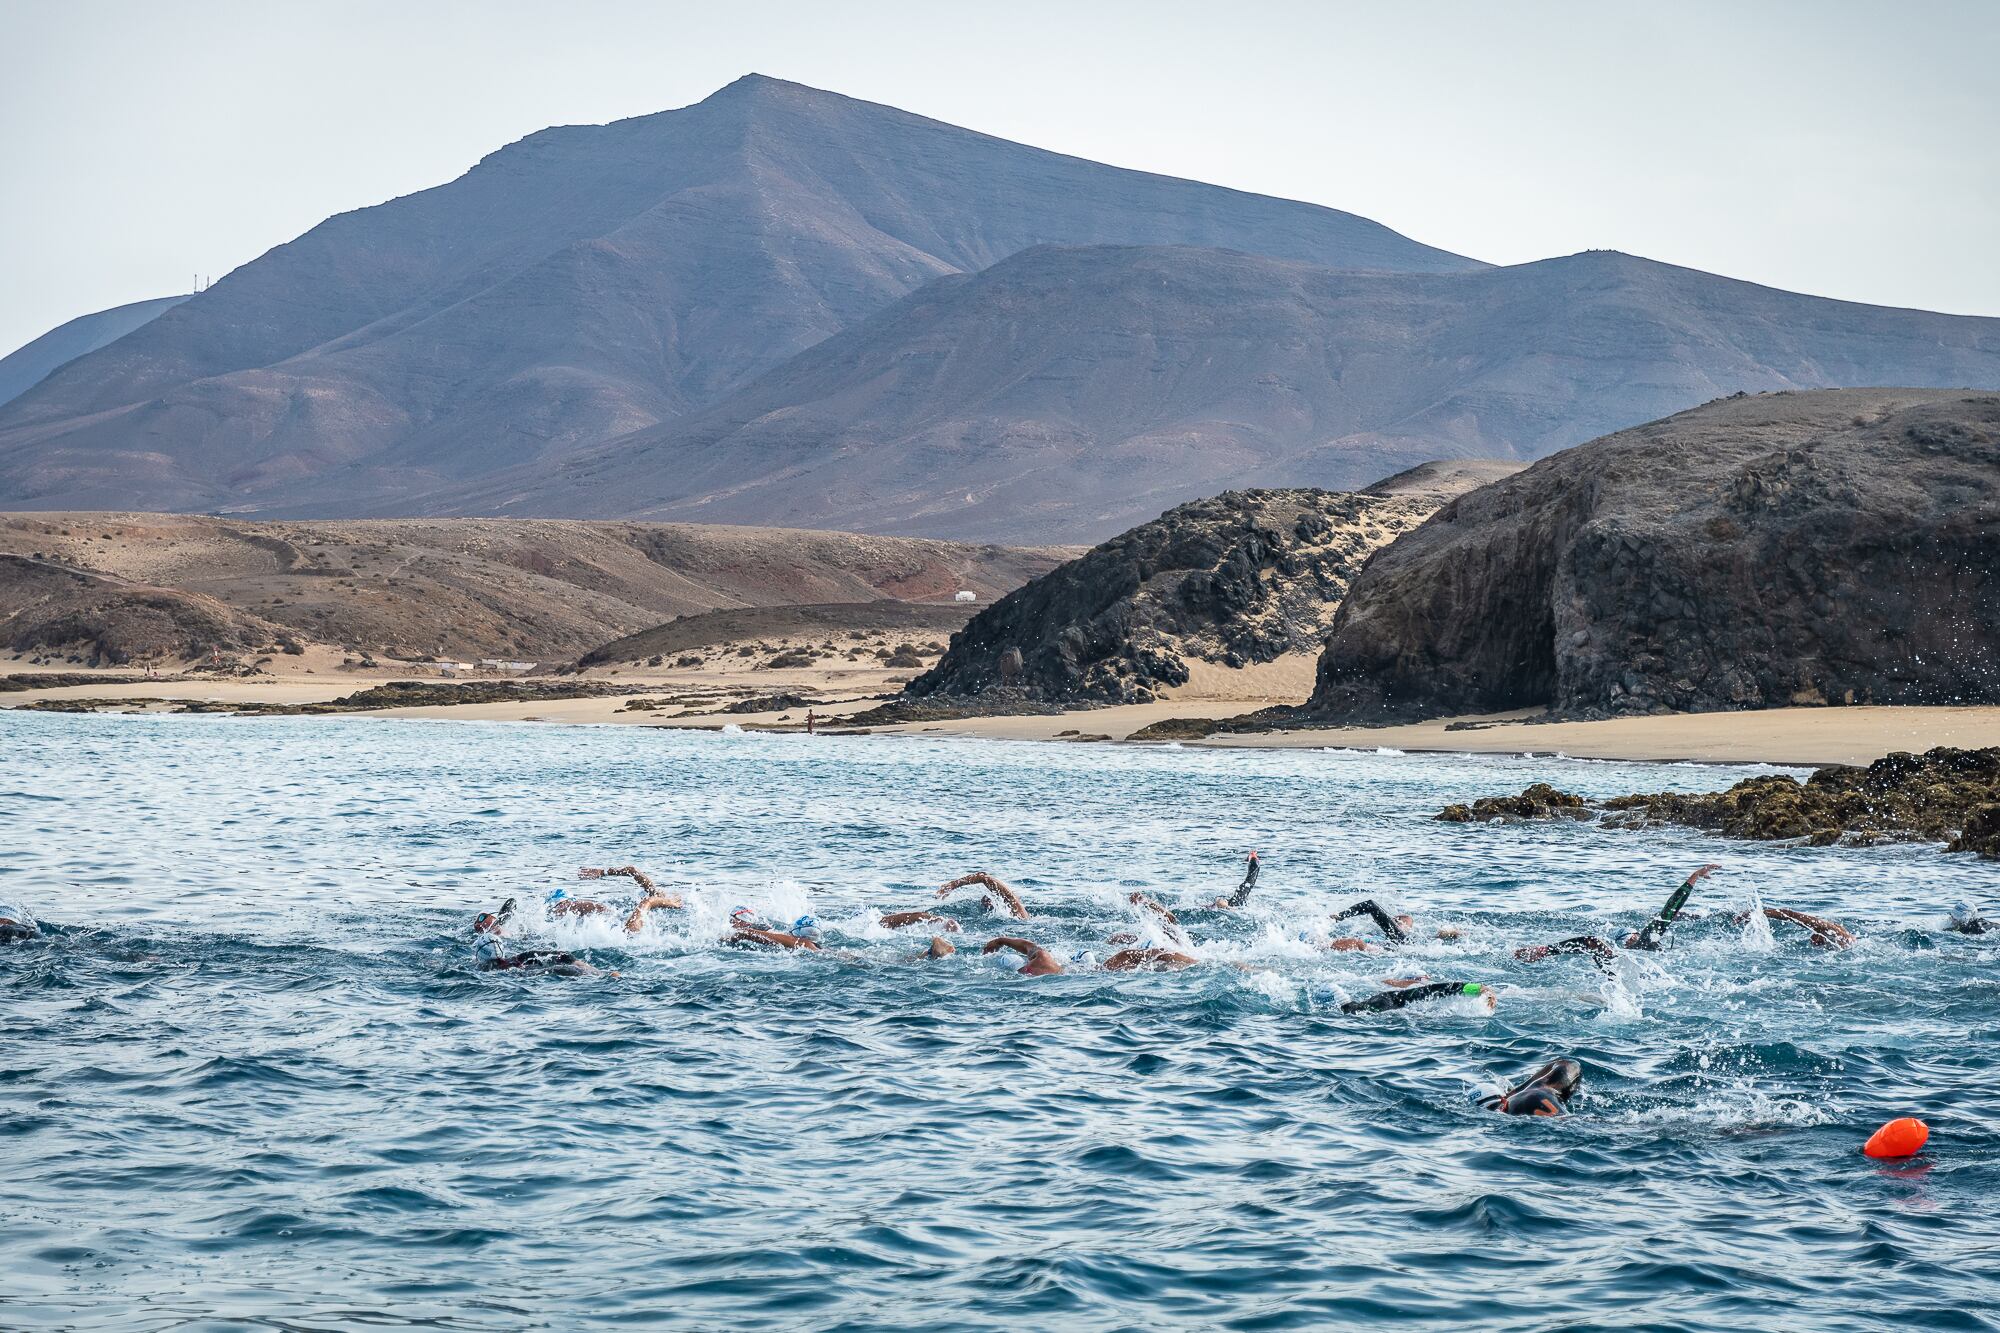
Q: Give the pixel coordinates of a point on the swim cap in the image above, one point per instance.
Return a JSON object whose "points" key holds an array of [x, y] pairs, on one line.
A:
{"points": [[557, 895], [1964, 912], [806, 928], [1470, 988], [741, 915]]}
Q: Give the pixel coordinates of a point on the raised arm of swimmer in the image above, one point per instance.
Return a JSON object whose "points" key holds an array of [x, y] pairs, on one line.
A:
{"points": [[637, 921], [1040, 962], [1242, 894], [633, 873], [1649, 935], [1826, 934], [993, 885], [1391, 928]]}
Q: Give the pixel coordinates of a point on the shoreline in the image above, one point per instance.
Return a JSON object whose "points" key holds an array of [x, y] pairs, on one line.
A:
{"points": [[1786, 737]]}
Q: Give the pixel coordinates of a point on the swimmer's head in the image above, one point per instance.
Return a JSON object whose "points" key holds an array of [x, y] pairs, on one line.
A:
{"points": [[1562, 1077], [1485, 994], [489, 923], [13, 932], [806, 928], [556, 896], [742, 916], [1965, 912], [940, 947], [1083, 958]]}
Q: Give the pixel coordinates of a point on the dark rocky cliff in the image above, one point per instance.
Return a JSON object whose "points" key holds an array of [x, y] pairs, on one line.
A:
{"points": [[1239, 578], [1840, 546]]}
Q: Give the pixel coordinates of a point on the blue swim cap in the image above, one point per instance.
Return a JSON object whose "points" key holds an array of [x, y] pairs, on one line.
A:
{"points": [[805, 928], [557, 895]]}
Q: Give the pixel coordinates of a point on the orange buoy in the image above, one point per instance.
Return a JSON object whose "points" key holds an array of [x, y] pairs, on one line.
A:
{"points": [[1898, 1138]]}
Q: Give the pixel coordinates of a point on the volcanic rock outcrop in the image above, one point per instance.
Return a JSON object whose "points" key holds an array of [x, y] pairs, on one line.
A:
{"points": [[1943, 795], [1831, 547], [1240, 578]]}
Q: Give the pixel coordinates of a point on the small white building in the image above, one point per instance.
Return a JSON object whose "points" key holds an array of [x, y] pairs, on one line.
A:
{"points": [[966, 595]]}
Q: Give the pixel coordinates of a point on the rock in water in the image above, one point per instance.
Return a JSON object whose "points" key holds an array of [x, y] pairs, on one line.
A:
{"points": [[1241, 578], [1943, 795], [1840, 546]]}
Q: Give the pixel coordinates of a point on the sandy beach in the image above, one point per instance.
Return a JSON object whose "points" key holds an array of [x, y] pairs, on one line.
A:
{"points": [[1800, 736]]}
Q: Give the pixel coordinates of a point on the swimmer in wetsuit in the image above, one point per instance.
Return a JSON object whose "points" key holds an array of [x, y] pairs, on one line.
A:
{"points": [[1647, 937], [1967, 919], [1242, 894], [1405, 993], [489, 927], [995, 888], [1545, 1092], [17, 924], [1395, 929]]}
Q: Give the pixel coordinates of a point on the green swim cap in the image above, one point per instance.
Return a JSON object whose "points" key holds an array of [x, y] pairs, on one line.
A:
{"points": [[1469, 988]]}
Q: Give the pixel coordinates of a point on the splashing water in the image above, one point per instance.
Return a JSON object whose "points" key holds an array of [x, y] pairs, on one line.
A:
{"points": [[252, 1076]]}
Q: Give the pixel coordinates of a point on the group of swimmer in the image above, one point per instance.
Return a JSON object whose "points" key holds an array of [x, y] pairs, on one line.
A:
{"points": [[1545, 1092]]}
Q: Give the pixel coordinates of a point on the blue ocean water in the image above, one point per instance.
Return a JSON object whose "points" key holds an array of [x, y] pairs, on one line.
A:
{"points": [[252, 1080]]}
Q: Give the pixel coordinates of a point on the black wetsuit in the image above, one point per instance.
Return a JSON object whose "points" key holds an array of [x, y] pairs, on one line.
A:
{"points": [[1391, 928], [1545, 1092], [1408, 995], [1242, 894], [531, 958], [13, 932], [1600, 951], [1649, 935]]}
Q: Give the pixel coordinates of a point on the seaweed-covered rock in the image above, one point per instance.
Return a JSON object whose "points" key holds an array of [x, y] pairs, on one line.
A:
{"points": [[1838, 546], [1981, 833], [1540, 801], [1944, 795]]}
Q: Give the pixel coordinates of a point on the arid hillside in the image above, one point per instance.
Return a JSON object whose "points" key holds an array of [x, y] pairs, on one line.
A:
{"points": [[465, 588]]}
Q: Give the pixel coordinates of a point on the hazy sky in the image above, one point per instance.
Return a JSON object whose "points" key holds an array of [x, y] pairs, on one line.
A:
{"points": [[1848, 150]]}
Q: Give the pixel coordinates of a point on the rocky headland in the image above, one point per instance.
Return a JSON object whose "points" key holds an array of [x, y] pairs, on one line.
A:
{"points": [[1832, 547]]}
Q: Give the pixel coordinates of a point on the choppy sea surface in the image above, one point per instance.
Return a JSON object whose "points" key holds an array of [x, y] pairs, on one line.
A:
{"points": [[252, 1078]]}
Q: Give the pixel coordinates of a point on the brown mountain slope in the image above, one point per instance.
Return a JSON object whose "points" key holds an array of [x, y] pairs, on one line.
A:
{"points": [[1067, 394], [1796, 548], [483, 587], [582, 283]]}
